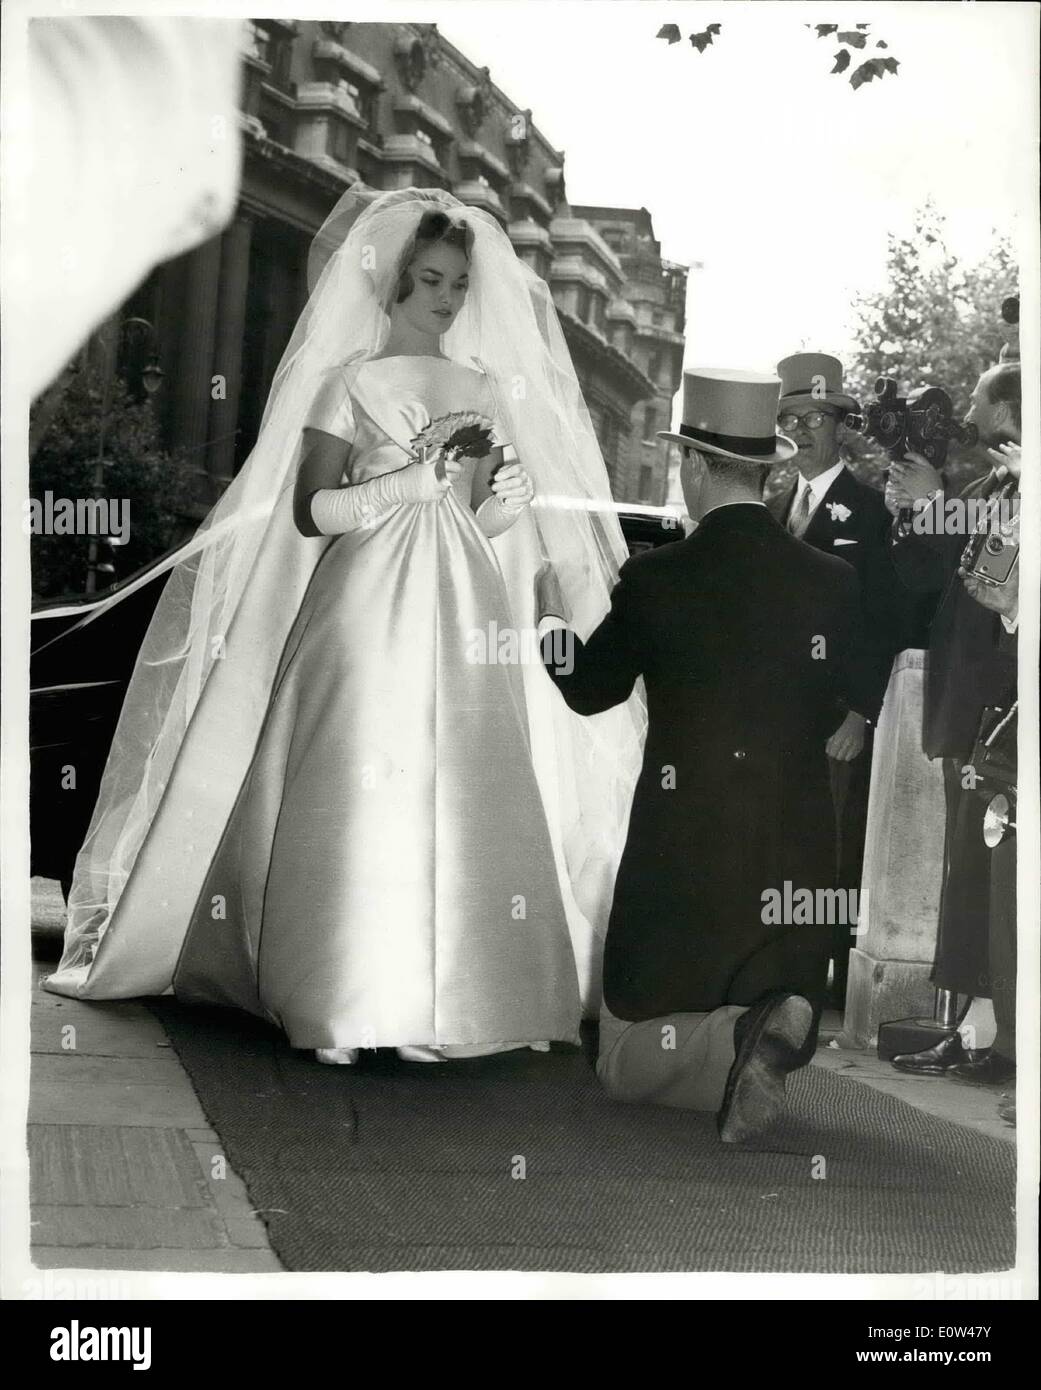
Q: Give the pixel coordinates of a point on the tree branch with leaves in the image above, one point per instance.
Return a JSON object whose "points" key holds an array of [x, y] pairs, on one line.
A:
{"points": [[850, 41]]}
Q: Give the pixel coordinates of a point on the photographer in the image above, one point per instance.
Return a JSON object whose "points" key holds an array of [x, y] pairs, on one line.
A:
{"points": [[972, 667]]}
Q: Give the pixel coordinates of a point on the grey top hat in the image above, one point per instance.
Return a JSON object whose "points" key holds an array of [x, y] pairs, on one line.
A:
{"points": [[732, 414], [813, 376]]}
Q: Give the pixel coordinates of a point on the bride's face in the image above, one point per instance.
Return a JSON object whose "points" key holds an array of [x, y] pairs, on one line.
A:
{"points": [[440, 278]]}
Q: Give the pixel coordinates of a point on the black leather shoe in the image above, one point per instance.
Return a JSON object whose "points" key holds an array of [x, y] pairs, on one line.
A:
{"points": [[942, 1057], [990, 1069], [769, 1038]]}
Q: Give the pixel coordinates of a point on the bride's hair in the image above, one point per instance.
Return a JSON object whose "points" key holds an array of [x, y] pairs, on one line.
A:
{"points": [[433, 227]]}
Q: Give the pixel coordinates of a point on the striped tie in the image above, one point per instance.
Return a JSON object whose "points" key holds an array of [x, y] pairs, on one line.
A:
{"points": [[800, 513]]}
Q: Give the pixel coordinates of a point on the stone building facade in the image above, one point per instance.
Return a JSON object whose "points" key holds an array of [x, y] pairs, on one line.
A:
{"points": [[647, 322], [326, 104]]}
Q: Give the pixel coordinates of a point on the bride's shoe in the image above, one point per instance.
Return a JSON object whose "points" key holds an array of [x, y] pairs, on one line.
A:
{"points": [[420, 1054], [337, 1056]]}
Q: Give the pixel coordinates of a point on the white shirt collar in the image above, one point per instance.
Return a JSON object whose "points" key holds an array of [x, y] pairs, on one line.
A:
{"points": [[750, 502], [819, 486]]}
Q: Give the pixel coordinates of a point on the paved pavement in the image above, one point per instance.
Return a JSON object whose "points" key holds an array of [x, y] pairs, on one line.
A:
{"points": [[126, 1174]]}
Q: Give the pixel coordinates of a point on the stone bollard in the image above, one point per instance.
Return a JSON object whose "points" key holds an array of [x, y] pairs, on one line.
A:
{"points": [[903, 867]]}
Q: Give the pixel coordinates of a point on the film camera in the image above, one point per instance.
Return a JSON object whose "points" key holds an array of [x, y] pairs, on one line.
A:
{"points": [[993, 548], [922, 421]]}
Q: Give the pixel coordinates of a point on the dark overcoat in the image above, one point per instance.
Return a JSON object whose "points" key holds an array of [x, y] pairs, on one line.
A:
{"points": [[972, 665], [747, 640]]}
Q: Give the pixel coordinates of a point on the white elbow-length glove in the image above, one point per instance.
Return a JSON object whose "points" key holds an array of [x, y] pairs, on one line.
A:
{"points": [[336, 510], [512, 490]]}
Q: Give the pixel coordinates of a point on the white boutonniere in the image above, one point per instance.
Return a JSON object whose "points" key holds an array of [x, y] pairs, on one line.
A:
{"points": [[839, 512]]}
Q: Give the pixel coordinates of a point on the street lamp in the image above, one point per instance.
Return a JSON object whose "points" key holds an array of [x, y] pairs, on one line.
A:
{"points": [[151, 375], [151, 379]]}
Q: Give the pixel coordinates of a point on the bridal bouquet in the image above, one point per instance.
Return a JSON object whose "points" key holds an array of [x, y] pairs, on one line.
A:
{"points": [[460, 434]]}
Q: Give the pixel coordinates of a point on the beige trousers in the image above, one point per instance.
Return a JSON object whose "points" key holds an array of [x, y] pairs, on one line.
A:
{"points": [[681, 1060]]}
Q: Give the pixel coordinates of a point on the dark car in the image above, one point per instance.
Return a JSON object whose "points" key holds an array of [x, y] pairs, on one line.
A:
{"points": [[79, 677]]}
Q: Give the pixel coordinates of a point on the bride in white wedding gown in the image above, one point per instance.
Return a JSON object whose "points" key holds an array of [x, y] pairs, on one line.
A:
{"points": [[318, 808]]}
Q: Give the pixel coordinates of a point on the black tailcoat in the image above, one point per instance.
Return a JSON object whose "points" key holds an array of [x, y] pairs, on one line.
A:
{"points": [[748, 644]]}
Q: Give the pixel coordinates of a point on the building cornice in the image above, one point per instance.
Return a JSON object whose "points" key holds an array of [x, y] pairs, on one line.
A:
{"points": [[293, 165], [477, 76], [331, 51], [636, 386], [472, 149], [429, 115], [410, 149], [524, 193], [572, 231], [529, 233], [659, 334], [479, 195], [324, 96]]}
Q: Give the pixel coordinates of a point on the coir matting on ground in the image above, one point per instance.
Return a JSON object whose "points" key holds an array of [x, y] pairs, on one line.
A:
{"points": [[521, 1162]]}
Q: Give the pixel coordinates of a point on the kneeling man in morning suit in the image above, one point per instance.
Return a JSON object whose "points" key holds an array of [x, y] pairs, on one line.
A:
{"points": [[748, 643]]}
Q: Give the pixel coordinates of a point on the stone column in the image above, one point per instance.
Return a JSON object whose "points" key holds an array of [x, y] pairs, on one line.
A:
{"points": [[190, 383], [227, 355], [903, 867]]}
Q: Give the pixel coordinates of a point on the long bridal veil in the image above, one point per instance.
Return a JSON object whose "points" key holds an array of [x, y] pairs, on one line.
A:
{"points": [[203, 677]]}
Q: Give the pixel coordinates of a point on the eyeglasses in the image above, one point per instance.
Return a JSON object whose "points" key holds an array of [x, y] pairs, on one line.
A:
{"points": [[812, 420]]}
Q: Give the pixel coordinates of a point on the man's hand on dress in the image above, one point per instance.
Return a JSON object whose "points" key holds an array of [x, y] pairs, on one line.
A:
{"points": [[847, 741], [999, 598]]}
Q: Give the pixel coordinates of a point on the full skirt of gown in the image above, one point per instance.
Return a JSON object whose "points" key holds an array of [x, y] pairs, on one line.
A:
{"points": [[386, 876]]}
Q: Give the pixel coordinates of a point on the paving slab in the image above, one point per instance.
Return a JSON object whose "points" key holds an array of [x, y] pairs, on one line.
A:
{"points": [[66, 1089], [246, 1232], [228, 1194], [99, 1165], [127, 1228], [119, 1147], [173, 1261], [100, 1031]]}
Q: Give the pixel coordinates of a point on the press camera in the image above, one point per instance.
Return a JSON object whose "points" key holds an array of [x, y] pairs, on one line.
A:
{"points": [[993, 549]]}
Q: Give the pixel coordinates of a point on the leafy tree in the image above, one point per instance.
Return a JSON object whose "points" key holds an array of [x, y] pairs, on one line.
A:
{"points": [[138, 471], [937, 322]]}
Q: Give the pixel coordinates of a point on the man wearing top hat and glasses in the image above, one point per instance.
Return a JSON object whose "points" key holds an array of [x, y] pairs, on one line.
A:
{"points": [[748, 642], [832, 510]]}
